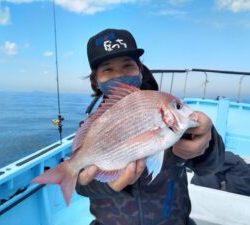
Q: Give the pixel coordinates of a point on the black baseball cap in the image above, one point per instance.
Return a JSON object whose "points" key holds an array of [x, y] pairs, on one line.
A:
{"points": [[111, 43]]}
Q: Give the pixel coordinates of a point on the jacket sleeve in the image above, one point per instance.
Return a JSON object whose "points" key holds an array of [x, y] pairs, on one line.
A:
{"points": [[213, 158], [96, 189]]}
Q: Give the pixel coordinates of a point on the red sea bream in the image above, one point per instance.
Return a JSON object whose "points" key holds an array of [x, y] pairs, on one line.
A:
{"points": [[131, 124]]}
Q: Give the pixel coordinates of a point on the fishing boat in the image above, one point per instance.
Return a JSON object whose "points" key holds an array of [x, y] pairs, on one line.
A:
{"points": [[25, 203]]}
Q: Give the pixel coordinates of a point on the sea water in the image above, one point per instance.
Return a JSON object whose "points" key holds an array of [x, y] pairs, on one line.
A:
{"points": [[26, 121]]}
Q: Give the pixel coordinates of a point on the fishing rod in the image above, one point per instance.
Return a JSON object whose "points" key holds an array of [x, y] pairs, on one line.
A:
{"points": [[57, 122]]}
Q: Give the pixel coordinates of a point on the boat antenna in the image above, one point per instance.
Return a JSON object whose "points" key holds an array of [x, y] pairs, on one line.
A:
{"points": [[58, 121]]}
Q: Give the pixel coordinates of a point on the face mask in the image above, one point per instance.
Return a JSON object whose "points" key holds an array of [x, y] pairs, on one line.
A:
{"points": [[135, 81]]}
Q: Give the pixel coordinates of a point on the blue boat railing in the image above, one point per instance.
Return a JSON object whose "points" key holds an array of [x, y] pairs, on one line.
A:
{"points": [[16, 179]]}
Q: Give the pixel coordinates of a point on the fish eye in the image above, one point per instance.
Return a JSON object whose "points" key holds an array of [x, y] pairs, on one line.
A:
{"points": [[178, 105]]}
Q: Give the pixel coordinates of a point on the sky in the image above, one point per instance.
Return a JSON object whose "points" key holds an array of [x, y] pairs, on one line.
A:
{"points": [[176, 34]]}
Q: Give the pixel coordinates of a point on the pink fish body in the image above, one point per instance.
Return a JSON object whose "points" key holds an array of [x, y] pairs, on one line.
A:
{"points": [[132, 124]]}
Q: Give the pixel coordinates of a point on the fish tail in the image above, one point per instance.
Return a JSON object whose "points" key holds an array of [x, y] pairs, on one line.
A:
{"points": [[63, 175]]}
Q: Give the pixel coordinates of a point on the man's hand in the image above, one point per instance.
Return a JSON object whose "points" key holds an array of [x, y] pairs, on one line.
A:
{"points": [[201, 136], [87, 175], [129, 176]]}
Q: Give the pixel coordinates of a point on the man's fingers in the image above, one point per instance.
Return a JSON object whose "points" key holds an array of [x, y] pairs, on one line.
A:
{"points": [[125, 179], [198, 142], [187, 149], [130, 175], [87, 175], [205, 125], [140, 166]]}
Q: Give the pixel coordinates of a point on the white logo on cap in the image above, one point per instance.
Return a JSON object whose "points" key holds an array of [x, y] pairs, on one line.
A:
{"points": [[110, 46]]}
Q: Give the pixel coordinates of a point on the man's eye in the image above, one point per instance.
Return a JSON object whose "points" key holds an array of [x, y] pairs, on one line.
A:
{"points": [[107, 70], [128, 65]]}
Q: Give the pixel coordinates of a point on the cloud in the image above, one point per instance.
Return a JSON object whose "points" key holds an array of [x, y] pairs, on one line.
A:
{"points": [[178, 2], [4, 16], [171, 12], [68, 54], [10, 48], [48, 53], [90, 6], [23, 1], [85, 6], [170, 8], [234, 5], [217, 24]]}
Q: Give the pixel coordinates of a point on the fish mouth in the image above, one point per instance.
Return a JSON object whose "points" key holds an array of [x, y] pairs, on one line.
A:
{"points": [[174, 127], [193, 117], [171, 121], [174, 130], [177, 123]]}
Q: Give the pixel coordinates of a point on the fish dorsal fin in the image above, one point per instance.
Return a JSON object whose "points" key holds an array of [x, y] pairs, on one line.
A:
{"points": [[116, 94], [119, 92], [82, 131]]}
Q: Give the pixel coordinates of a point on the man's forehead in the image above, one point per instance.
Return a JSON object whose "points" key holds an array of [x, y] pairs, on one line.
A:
{"points": [[117, 59]]}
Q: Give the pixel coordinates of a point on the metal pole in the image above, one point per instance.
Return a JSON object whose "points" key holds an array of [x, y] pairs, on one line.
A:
{"points": [[240, 88], [185, 84], [172, 81], [205, 85], [161, 80]]}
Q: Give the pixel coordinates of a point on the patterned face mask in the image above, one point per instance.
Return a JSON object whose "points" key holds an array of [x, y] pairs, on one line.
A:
{"points": [[135, 80]]}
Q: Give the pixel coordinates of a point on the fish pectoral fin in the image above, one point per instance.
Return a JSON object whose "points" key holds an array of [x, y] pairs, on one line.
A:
{"points": [[108, 176], [154, 164]]}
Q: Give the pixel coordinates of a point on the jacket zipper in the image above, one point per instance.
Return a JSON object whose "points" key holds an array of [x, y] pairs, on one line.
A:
{"points": [[139, 201]]}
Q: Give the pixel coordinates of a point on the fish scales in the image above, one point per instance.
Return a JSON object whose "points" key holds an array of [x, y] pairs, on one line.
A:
{"points": [[127, 153], [131, 127], [123, 122], [102, 147], [122, 115], [133, 123]]}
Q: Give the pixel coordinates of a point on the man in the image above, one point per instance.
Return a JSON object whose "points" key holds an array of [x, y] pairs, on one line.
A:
{"points": [[113, 56]]}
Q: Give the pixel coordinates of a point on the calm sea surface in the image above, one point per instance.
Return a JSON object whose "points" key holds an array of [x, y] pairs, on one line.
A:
{"points": [[25, 121]]}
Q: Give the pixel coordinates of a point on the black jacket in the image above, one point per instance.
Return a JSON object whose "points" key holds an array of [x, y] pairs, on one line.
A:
{"points": [[165, 201]]}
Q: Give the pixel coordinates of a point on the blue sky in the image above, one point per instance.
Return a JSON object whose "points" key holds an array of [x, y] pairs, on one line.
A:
{"points": [[176, 34]]}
